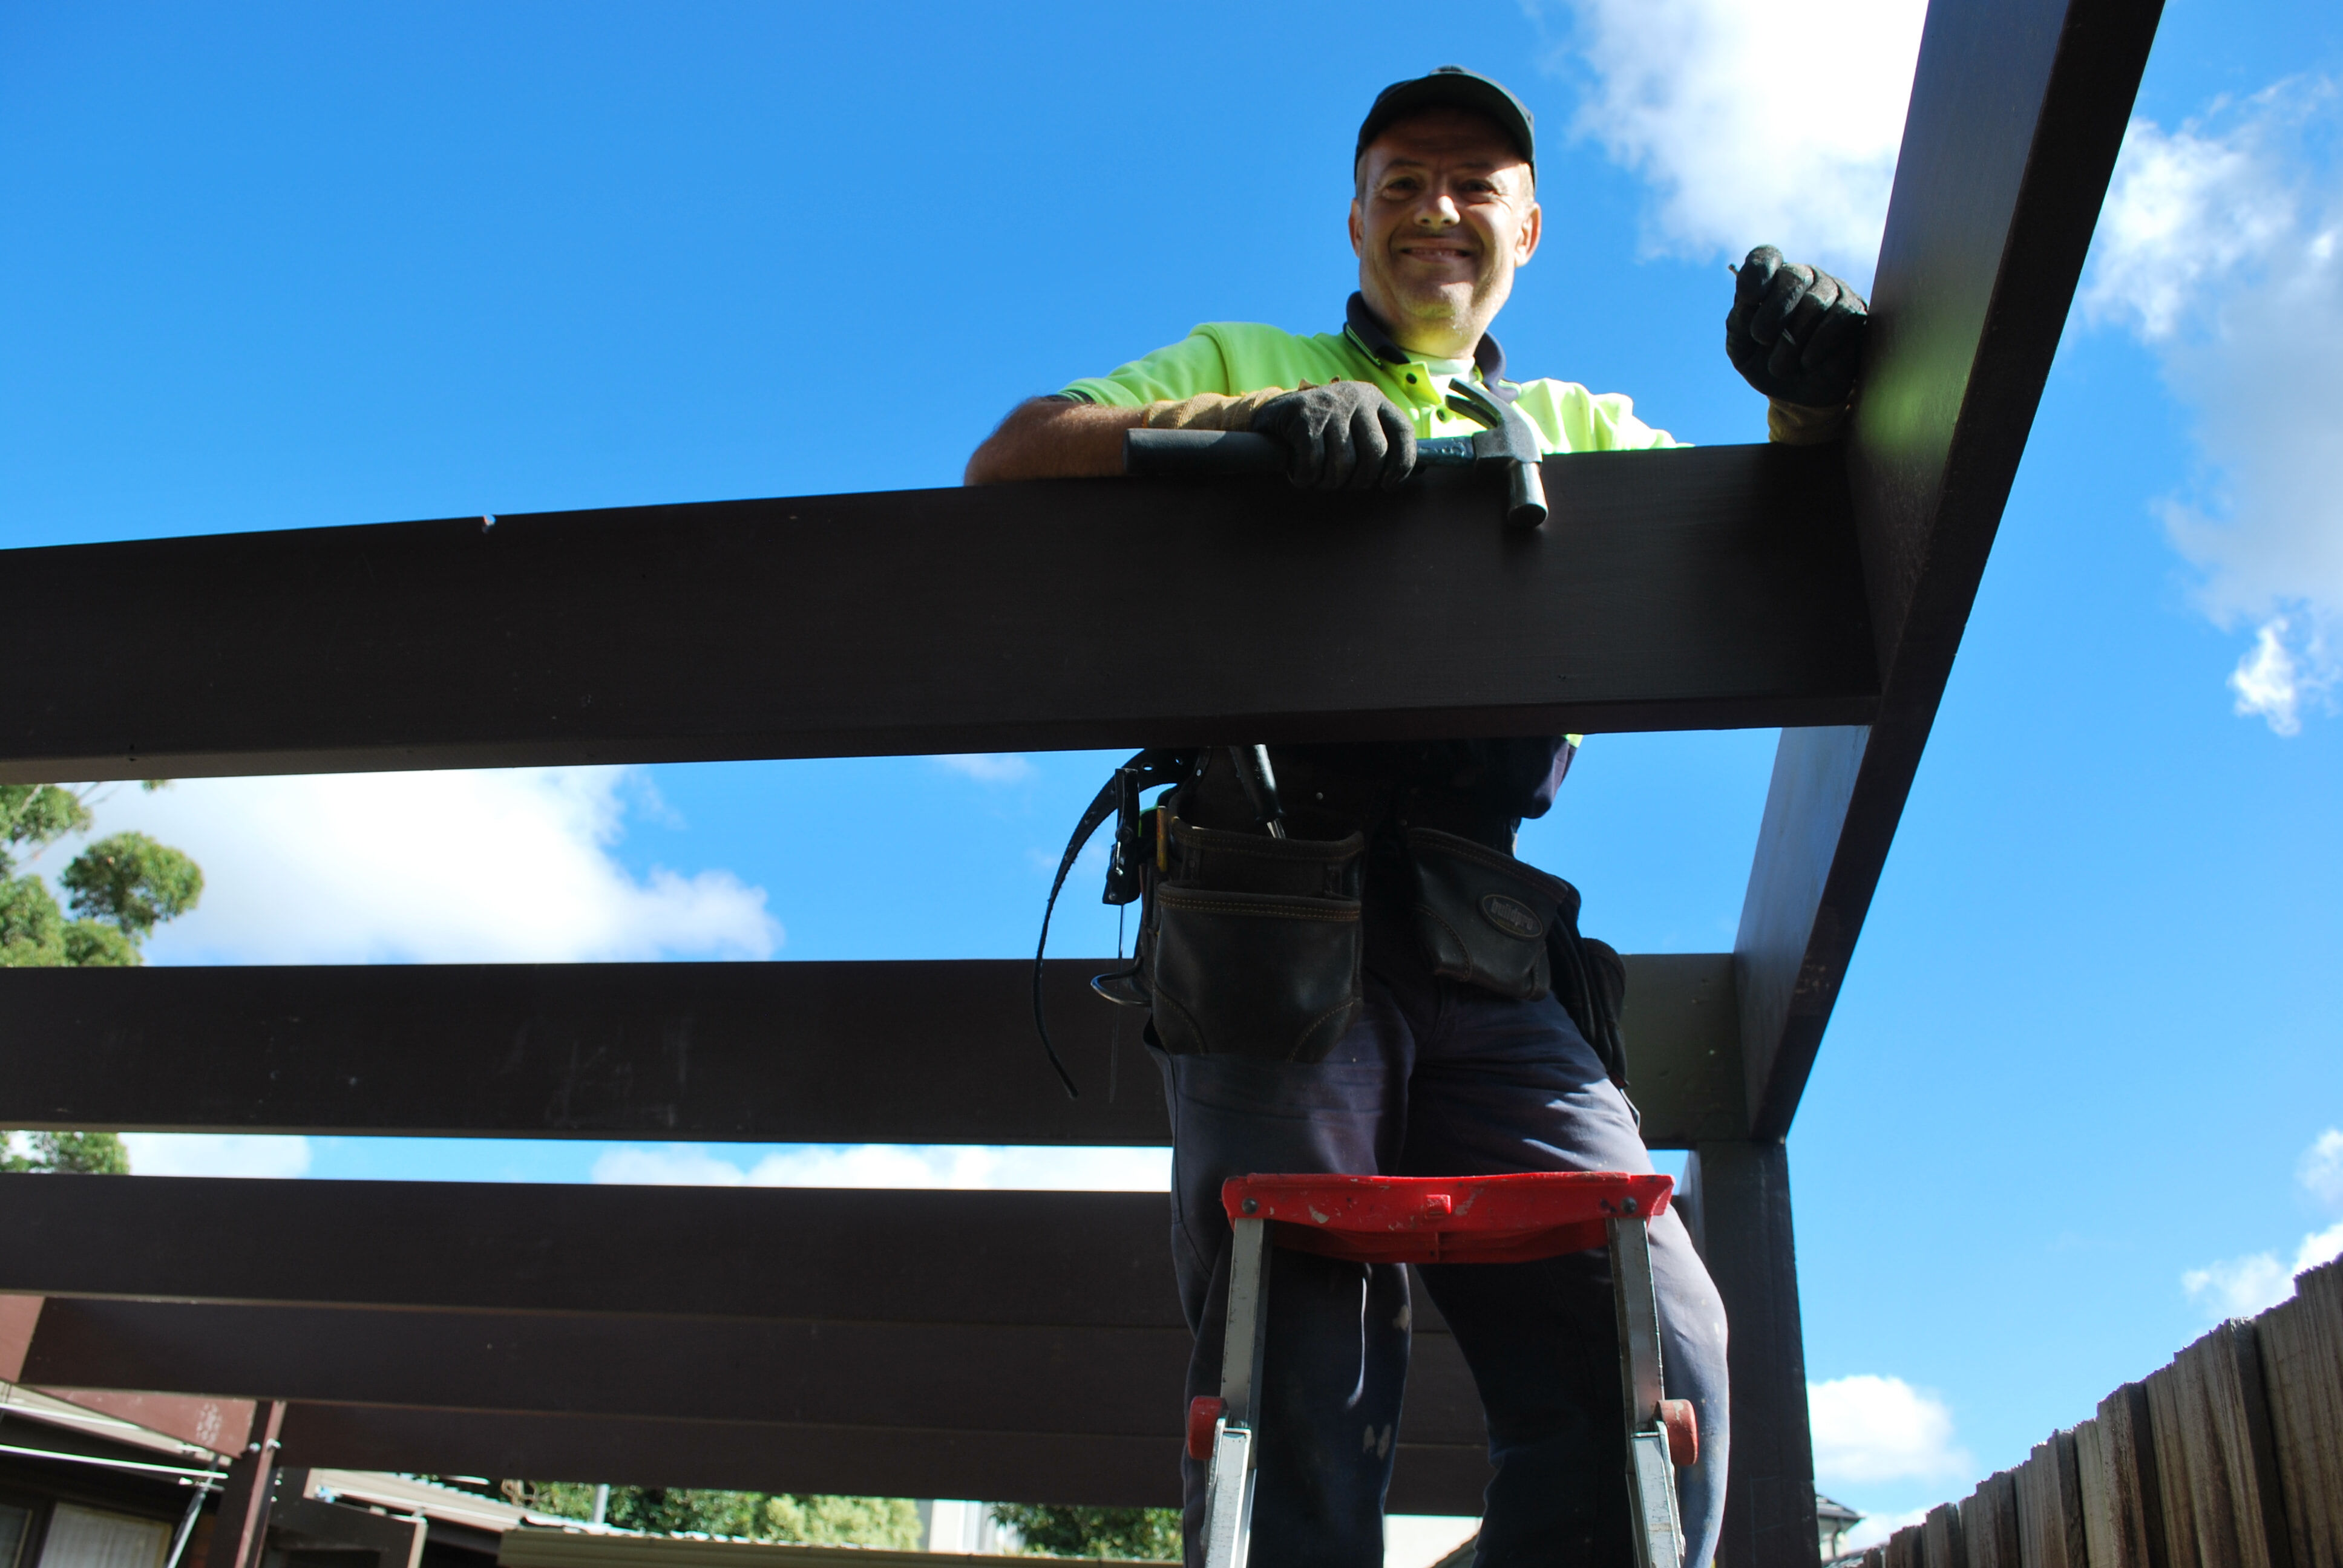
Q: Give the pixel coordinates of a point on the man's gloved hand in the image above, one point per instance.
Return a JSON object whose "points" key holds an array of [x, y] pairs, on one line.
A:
{"points": [[1795, 333], [1344, 436]]}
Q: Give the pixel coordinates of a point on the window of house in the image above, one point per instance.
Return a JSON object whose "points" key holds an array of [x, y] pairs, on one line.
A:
{"points": [[14, 1522], [86, 1538]]}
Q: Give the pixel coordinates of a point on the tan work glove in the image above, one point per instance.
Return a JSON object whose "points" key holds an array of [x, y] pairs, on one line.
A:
{"points": [[1796, 424], [1212, 410]]}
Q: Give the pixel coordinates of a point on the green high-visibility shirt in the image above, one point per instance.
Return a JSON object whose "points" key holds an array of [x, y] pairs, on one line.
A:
{"points": [[1231, 357]]}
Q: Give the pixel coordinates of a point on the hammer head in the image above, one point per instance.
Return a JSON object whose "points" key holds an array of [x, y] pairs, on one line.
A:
{"points": [[1510, 443]]}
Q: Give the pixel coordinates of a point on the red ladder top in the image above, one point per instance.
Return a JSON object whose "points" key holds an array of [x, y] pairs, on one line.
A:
{"points": [[1508, 1218]]}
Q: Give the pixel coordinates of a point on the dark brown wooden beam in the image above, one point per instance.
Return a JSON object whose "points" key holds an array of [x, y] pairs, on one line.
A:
{"points": [[1740, 1215], [899, 1052], [1099, 1260], [1054, 1378], [2017, 111], [2018, 107], [1682, 1028], [1675, 589], [886, 1461], [851, 1052]]}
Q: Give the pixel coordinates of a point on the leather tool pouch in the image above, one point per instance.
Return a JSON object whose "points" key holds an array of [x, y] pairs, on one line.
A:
{"points": [[1489, 920], [1483, 916], [1251, 946]]}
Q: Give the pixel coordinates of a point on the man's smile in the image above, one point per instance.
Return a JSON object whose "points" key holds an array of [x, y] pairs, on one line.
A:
{"points": [[1437, 253]]}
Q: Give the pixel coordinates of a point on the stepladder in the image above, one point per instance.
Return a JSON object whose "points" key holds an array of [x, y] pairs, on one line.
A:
{"points": [[1505, 1219]]}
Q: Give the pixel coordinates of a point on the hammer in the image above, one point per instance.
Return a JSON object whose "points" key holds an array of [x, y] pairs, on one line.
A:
{"points": [[1508, 444]]}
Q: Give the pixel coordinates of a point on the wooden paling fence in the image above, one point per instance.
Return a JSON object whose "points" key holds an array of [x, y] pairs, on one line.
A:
{"points": [[2230, 1457]]}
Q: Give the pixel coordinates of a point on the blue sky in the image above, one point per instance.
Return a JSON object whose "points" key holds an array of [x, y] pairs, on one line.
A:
{"points": [[273, 266]]}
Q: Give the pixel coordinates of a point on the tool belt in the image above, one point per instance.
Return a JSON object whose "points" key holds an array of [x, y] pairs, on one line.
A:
{"points": [[1251, 946]]}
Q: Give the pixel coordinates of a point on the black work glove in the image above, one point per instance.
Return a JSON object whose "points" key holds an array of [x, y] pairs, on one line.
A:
{"points": [[1795, 333], [1344, 436]]}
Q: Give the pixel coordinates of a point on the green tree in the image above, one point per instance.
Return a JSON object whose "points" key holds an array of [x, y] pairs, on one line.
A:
{"points": [[132, 883], [676, 1510], [841, 1520], [1051, 1530], [891, 1521], [121, 888], [83, 1153]]}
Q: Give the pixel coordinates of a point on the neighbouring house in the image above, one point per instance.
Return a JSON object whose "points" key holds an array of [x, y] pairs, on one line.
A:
{"points": [[1833, 1520], [106, 1480]]}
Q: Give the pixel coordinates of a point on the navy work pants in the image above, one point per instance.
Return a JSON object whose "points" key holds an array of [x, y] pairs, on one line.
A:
{"points": [[1435, 1079]]}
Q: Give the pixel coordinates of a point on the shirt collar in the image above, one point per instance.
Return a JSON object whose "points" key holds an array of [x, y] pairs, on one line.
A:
{"points": [[1370, 332]]}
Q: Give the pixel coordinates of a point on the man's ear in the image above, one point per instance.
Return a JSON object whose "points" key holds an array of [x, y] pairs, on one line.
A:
{"points": [[1358, 229], [1525, 244]]}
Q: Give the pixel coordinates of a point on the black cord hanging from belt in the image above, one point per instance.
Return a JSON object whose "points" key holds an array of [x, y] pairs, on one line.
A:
{"points": [[1118, 799]]}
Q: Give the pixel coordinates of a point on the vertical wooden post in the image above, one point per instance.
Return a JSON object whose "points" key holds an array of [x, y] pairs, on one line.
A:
{"points": [[1989, 1522], [2215, 1457], [2123, 1498], [1943, 1540], [243, 1524], [2302, 1376], [1743, 1209], [2050, 1507]]}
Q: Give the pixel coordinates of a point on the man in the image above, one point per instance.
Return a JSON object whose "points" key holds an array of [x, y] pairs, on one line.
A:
{"points": [[1428, 1069]]}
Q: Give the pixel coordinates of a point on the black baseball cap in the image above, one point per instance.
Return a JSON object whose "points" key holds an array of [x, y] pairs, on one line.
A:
{"points": [[1450, 87]]}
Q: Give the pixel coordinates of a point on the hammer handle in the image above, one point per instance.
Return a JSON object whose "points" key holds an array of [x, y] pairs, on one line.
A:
{"points": [[1526, 505], [1154, 454]]}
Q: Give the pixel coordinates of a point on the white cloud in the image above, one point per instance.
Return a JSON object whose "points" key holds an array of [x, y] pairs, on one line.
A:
{"points": [[1868, 1428], [2320, 1247], [2321, 1168], [666, 1165], [2218, 249], [987, 768], [2240, 1287], [1033, 1168], [2184, 210], [1716, 103], [1875, 1528], [217, 1154], [505, 866], [2271, 681]]}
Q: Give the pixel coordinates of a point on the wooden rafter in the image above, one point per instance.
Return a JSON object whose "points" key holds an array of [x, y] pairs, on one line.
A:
{"points": [[1694, 589], [936, 1051]]}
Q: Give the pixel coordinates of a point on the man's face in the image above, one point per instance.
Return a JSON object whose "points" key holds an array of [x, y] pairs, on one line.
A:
{"points": [[1446, 210]]}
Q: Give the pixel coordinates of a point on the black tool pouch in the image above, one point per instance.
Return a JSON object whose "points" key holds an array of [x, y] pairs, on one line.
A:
{"points": [[1489, 920], [1482, 917], [1251, 947]]}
